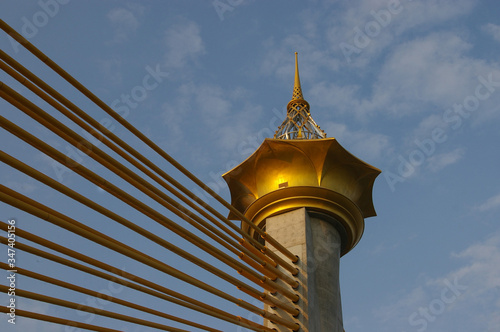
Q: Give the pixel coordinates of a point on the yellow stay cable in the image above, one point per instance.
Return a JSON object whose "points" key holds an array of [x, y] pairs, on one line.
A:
{"points": [[137, 283], [30, 77], [82, 307], [57, 320], [106, 297], [44, 58], [58, 128]]}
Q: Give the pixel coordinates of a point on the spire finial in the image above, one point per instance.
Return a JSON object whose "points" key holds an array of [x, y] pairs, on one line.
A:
{"points": [[298, 123], [297, 90]]}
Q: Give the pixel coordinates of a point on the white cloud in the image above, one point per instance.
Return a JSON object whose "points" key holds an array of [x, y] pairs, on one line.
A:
{"points": [[434, 12], [400, 307], [27, 324], [207, 102], [490, 204], [426, 126], [124, 21], [343, 98], [465, 299], [440, 161], [21, 187], [493, 30], [415, 75], [212, 103], [124, 18], [430, 69], [427, 74], [183, 44], [361, 143], [279, 58], [209, 110], [176, 114], [111, 69], [391, 20]]}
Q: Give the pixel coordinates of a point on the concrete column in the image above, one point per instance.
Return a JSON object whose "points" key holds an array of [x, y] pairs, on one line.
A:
{"points": [[314, 238]]}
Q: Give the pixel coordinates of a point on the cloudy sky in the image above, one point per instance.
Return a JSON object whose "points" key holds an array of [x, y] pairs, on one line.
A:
{"points": [[411, 87]]}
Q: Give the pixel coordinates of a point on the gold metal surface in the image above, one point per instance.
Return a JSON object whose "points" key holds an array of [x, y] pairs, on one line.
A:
{"points": [[319, 175], [297, 89]]}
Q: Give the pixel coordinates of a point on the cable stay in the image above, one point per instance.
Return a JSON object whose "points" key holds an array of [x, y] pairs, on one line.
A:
{"points": [[137, 183]]}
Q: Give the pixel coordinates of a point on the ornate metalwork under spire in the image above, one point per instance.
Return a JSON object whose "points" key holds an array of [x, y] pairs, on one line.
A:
{"points": [[298, 123]]}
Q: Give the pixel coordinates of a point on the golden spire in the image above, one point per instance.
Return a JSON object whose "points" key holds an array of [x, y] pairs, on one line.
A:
{"points": [[297, 90], [298, 123]]}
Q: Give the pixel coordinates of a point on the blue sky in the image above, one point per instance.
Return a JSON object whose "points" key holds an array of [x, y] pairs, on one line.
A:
{"points": [[411, 87]]}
